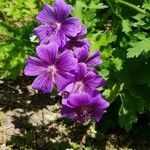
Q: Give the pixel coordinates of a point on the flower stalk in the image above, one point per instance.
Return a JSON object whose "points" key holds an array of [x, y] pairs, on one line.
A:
{"points": [[131, 6]]}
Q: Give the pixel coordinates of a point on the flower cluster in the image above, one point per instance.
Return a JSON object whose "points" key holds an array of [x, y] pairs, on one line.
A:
{"points": [[63, 61]]}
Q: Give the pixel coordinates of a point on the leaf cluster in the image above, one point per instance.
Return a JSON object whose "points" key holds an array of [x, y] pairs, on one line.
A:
{"points": [[120, 29], [16, 27]]}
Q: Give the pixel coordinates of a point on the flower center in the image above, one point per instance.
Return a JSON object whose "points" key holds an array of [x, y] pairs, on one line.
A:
{"points": [[79, 86], [66, 94], [52, 69], [84, 113], [56, 25]]}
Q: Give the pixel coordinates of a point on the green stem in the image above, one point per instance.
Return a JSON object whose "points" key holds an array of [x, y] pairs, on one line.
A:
{"points": [[131, 6], [115, 91], [110, 5]]}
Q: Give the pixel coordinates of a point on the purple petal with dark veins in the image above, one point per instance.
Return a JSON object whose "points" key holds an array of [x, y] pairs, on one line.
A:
{"points": [[81, 53], [46, 16], [66, 61], [44, 83], [62, 79], [47, 53], [61, 10], [34, 66], [71, 26], [94, 60], [44, 33]]}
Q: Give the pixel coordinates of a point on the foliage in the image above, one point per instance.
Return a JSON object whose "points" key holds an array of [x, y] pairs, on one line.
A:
{"points": [[122, 36], [118, 28]]}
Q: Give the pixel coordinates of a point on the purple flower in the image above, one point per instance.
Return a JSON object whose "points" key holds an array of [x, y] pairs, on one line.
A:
{"points": [[84, 81], [82, 54], [50, 67], [77, 41], [56, 26], [83, 107]]}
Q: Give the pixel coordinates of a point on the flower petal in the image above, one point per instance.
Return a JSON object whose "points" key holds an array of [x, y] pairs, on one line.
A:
{"points": [[46, 16], [44, 33], [78, 100], [66, 61], [61, 10], [34, 66], [60, 37], [99, 106], [62, 79], [47, 53], [44, 83], [92, 81], [94, 60], [81, 53], [65, 102], [66, 111], [68, 88], [80, 71], [71, 26], [82, 32]]}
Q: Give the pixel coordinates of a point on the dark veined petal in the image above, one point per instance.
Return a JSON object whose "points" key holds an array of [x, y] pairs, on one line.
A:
{"points": [[74, 43], [83, 106], [92, 81], [61, 10], [83, 43], [44, 33], [99, 106], [94, 60], [59, 37], [71, 26], [80, 71], [81, 53], [44, 83], [82, 32], [67, 111], [98, 100], [65, 103], [62, 79], [46, 16], [67, 90], [66, 61], [34, 66], [47, 53], [78, 100], [73, 105]]}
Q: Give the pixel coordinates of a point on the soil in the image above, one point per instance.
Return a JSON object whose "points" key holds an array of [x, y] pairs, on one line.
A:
{"points": [[30, 120]]}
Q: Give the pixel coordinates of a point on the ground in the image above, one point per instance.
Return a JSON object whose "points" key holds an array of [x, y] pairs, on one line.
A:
{"points": [[30, 120]]}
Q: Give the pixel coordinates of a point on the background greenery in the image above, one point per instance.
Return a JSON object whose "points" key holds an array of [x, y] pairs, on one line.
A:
{"points": [[118, 28]]}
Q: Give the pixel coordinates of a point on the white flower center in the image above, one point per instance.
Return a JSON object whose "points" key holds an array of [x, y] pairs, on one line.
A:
{"points": [[52, 69], [58, 25], [79, 86], [84, 112]]}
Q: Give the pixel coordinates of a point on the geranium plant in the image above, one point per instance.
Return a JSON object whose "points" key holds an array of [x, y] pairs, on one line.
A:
{"points": [[63, 61]]}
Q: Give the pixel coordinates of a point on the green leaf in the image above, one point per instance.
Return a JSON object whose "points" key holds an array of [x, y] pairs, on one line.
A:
{"points": [[126, 26], [146, 4], [118, 63], [84, 7], [129, 109], [94, 5], [138, 48], [102, 39]]}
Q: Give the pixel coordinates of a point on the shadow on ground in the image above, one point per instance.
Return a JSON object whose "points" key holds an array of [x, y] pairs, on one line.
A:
{"points": [[32, 121]]}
